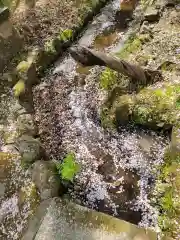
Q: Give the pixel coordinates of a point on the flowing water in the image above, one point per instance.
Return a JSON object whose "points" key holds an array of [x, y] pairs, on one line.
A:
{"points": [[117, 168]]}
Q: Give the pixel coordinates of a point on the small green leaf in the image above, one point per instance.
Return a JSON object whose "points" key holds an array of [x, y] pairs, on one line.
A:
{"points": [[69, 168], [66, 35]]}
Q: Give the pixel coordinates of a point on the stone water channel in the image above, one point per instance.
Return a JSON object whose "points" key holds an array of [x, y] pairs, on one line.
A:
{"points": [[117, 168]]}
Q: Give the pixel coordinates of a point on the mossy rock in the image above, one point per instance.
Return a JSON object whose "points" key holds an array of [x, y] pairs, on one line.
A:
{"points": [[119, 112], [107, 118], [46, 179], [26, 71], [7, 163], [132, 45], [29, 148], [28, 195], [19, 88], [66, 35], [167, 194], [10, 135], [175, 138], [108, 79], [152, 107], [158, 107], [49, 47], [25, 125], [53, 46], [23, 66]]}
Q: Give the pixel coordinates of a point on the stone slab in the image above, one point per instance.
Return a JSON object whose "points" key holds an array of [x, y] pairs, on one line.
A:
{"points": [[64, 220], [4, 14]]}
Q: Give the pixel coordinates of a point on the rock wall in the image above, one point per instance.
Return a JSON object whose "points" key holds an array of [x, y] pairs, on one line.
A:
{"points": [[10, 41]]}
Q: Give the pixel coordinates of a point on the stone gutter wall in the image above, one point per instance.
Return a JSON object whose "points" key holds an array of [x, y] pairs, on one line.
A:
{"points": [[10, 41], [48, 47], [19, 121], [18, 132]]}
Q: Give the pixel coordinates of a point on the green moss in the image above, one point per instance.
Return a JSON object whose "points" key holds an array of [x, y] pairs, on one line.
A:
{"points": [[146, 3], [141, 115], [168, 66], [29, 195], [119, 112], [132, 45], [23, 66], [108, 79], [157, 107], [107, 118], [49, 46], [19, 88], [66, 35], [167, 195], [7, 156]]}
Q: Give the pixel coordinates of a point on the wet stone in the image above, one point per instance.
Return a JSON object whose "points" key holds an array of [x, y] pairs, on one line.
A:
{"points": [[151, 14], [4, 14]]}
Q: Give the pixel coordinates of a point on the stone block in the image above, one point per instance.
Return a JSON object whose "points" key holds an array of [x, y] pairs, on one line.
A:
{"points": [[58, 219]]}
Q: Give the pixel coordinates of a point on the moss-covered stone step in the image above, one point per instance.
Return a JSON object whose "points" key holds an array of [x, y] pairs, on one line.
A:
{"points": [[60, 219], [155, 107], [167, 189]]}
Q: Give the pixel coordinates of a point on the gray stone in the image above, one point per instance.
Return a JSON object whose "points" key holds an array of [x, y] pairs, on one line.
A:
{"points": [[64, 220], [2, 189], [18, 109], [29, 148], [170, 3], [151, 14], [46, 179], [25, 125], [4, 14], [145, 28], [10, 148], [10, 43]]}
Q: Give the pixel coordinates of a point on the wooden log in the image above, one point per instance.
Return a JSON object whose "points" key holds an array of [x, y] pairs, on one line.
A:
{"points": [[90, 57]]}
